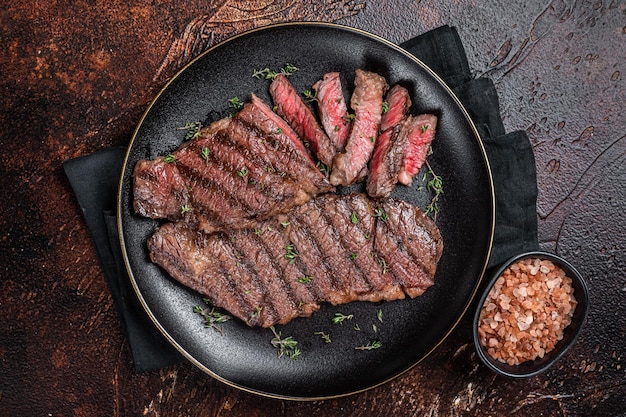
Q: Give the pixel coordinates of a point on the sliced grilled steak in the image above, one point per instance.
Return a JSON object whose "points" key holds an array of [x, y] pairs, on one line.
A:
{"points": [[390, 147], [398, 102], [300, 117], [334, 249], [421, 132], [252, 169], [366, 101], [332, 109]]}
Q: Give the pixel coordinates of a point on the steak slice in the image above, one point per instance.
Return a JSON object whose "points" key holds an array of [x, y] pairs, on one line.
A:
{"points": [[420, 132], [366, 101], [398, 102], [251, 169], [300, 117], [389, 151], [334, 249], [332, 109]]}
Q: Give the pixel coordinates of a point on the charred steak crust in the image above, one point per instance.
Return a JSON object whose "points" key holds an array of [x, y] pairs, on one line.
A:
{"points": [[334, 249], [251, 168]]}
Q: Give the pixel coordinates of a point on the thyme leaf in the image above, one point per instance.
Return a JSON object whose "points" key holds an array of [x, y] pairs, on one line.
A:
{"points": [[325, 336], [192, 130], [376, 344], [287, 346], [379, 213], [291, 253], [340, 318], [212, 316], [268, 74]]}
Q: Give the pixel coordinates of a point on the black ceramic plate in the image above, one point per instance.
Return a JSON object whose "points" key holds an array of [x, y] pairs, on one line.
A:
{"points": [[410, 329]]}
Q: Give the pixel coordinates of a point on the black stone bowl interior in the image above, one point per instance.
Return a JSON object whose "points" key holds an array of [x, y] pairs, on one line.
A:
{"points": [[571, 332]]}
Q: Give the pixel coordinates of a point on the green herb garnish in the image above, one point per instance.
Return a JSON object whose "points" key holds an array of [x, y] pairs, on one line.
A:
{"points": [[212, 316], [291, 253], [287, 346], [376, 344], [340, 318], [379, 213], [325, 336], [192, 130]]}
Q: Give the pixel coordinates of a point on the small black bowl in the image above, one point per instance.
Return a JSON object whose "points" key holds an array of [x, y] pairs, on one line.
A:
{"points": [[570, 333]]}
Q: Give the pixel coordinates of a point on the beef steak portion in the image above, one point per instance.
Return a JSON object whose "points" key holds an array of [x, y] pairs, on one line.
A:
{"points": [[245, 170], [350, 166], [291, 107], [334, 249], [332, 109]]}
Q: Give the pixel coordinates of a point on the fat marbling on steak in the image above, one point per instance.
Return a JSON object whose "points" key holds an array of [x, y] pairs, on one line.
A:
{"points": [[333, 249], [243, 170]]}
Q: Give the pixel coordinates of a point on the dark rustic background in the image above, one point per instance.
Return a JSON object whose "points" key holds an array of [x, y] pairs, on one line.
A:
{"points": [[76, 77]]}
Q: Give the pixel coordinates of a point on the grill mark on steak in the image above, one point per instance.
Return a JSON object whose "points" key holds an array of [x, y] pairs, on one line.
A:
{"points": [[245, 291], [248, 274], [346, 235], [350, 277], [252, 173], [397, 240], [277, 301], [383, 286], [275, 240], [366, 101], [307, 237], [300, 117], [288, 152]]}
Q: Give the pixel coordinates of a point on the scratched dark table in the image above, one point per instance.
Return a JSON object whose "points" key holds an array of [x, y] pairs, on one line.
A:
{"points": [[76, 78]]}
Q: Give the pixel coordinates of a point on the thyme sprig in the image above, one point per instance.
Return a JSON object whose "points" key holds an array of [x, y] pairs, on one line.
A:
{"points": [[268, 74], [324, 336], [380, 213], [192, 130], [340, 318], [309, 96], [291, 253], [376, 344], [434, 185], [213, 317], [235, 103], [287, 346]]}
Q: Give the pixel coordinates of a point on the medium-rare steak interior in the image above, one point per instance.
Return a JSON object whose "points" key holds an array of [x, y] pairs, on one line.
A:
{"points": [[334, 249]]}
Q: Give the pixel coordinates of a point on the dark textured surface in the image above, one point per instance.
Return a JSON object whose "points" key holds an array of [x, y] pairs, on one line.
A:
{"points": [[76, 79]]}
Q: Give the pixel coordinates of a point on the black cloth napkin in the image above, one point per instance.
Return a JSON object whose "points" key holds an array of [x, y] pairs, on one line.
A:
{"points": [[510, 155], [95, 178]]}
